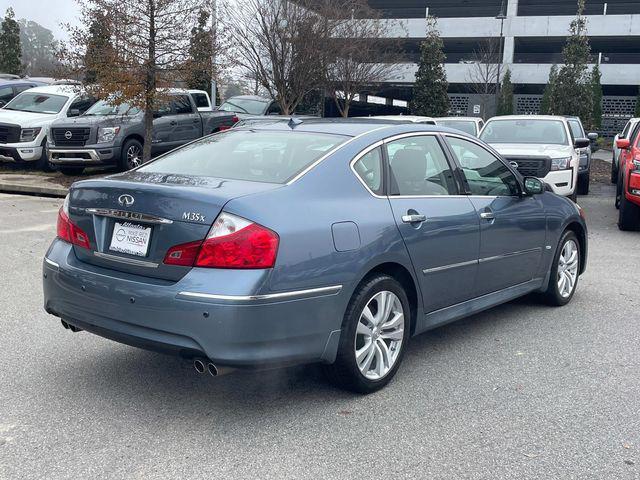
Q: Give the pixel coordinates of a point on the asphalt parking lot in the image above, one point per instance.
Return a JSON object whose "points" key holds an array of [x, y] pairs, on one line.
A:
{"points": [[520, 391]]}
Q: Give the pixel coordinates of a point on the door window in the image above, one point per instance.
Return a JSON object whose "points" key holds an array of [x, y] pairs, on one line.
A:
{"points": [[82, 104], [274, 109], [22, 88], [182, 105], [418, 166], [485, 173], [6, 94], [369, 169]]}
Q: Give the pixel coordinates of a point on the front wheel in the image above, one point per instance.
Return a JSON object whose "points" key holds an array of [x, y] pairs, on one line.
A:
{"points": [[43, 162], [564, 271], [614, 171], [583, 184], [131, 156], [375, 333]]}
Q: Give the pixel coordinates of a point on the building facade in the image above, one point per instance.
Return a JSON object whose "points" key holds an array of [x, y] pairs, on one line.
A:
{"points": [[533, 35]]}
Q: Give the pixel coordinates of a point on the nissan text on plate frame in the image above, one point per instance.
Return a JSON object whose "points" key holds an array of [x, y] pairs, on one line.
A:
{"points": [[315, 241]]}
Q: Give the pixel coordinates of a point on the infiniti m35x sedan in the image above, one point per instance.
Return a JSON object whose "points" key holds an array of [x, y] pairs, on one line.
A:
{"points": [[308, 241]]}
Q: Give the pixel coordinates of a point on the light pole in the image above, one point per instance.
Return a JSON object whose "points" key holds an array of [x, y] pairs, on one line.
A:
{"points": [[501, 16]]}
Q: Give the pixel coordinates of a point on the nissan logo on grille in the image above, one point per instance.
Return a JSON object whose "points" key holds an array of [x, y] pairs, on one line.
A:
{"points": [[68, 135], [126, 200]]}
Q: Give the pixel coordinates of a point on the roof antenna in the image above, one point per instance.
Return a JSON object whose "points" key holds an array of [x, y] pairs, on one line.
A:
{"points": [[294, 122]]}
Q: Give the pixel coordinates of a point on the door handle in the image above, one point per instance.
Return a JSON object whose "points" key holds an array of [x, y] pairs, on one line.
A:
{"points": [[414, 218], [195, 120], [487, 215], [173, 122]]}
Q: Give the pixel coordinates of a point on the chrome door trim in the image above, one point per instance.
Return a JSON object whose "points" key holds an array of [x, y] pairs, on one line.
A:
{"points": [[292, 294], [126, 215], [510, 254], [128, 261], [450, 266]]}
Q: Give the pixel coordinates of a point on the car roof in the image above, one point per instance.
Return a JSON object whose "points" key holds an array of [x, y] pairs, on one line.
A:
{"points": [[529, 117], [250, 97], [68, 90], [20, 81], [466, 119], [401, 118], [348, 126]]}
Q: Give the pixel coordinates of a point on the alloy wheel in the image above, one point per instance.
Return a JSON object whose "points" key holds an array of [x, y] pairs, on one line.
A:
{"points": [[134, 158], [379, 335], [568, 268]]}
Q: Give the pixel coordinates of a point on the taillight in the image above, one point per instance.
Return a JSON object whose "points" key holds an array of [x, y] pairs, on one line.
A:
{"points": [[235, 242], [68, 231], [184, 254]]}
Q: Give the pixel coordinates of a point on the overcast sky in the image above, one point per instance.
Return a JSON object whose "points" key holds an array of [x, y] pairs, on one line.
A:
{"points": [[48, 13]]}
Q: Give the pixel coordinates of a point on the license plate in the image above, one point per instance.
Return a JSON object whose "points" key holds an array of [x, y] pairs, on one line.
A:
{"points": [[130, 238]]}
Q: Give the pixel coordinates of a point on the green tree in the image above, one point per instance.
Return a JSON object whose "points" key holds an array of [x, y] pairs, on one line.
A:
{"points": [[545, 104], [99, 47], [200, 51], [505, 97], [596, 92], [39, 49], [572, 94], [430, 90], [10, 51]]}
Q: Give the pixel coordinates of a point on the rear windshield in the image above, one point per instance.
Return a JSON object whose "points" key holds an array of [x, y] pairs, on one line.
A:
{"points": [[465, 126], [37, 103], [259, 156], [201, 100], [245, 105], [525, 131]]}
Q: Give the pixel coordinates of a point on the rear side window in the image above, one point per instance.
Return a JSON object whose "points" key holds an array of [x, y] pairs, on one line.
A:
{"points": [[418, 167], [369, 169], [259, 156], [200, 99]]}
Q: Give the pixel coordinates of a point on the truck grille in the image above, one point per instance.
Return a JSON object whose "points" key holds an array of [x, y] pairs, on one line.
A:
{"points": [[9, 133], [70, 137], [532, 166]]}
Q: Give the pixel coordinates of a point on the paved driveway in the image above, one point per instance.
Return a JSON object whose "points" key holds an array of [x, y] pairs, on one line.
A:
{"points": [[521, 391]]}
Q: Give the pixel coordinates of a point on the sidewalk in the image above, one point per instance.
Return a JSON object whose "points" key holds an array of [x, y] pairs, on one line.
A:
{"points": [[40, 185]]}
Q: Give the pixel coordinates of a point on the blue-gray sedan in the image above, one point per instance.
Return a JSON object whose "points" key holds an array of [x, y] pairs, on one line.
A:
{"points": [[308, 241]]}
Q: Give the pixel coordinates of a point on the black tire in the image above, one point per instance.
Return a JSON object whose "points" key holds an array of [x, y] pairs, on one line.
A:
{"points": [[43, 162], [71, 171], [583, 184], [574, 196], [614, 171], [629, 215], [618, 189], [552, 295], [344, 372], [126, 160]]}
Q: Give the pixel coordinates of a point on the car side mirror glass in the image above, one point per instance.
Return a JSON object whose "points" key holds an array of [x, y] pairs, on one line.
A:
{"points": [[593, 136], [533, 186], [581, 143], [73, 112], [623, 143]]}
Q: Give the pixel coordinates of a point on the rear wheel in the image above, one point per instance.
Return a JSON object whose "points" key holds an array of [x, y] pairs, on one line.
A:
{"points": [[564, 271], [583, 184], [629, 214], [71, 171], [131, 156], [375, 332]]}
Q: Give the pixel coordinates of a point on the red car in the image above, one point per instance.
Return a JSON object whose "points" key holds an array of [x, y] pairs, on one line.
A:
{"points": [[628, 194]]}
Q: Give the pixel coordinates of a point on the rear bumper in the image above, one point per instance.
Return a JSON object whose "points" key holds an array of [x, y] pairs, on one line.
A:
{"points": [[182, 318], [23, 153], [83, 156]]}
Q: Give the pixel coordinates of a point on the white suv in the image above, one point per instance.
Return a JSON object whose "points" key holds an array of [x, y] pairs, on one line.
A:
{"points": [[538, 146], [25, 120]]}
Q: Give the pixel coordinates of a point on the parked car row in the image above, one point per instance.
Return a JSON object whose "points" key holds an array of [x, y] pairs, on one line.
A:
{"points": [[63, 126], [210, 251], [628, 176]]}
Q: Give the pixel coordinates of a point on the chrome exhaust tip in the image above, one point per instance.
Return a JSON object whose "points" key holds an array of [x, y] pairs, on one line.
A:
{"points": [[216, 371], [199, 365]]}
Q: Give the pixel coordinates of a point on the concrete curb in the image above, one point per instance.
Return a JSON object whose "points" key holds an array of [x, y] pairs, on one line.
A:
{"points": [[28, 188]]}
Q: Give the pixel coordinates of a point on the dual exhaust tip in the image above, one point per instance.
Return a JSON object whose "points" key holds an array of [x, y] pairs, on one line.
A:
{"points": [[68, 326], [202, 366]]}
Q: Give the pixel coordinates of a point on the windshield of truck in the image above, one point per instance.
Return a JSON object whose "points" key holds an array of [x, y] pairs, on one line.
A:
{"points": [[525, 131], [105, 108], [251, 106], [37, 103]]}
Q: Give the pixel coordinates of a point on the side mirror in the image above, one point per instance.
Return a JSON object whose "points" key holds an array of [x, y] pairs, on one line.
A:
{"points": [[593, 136], [581, 142], [533, 186], [73, 112], [623, 143]]}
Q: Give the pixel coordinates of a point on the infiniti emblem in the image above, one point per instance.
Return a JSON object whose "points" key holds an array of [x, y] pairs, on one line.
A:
{"points": [[68, 135], [126, 200]]}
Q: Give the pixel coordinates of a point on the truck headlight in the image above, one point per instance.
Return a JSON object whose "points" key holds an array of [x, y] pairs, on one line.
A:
{"points": [[29, 134], [560, 163], [107, 134]]}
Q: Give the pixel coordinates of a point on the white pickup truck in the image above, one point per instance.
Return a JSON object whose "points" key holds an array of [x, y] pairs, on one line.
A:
{"points": [[25, 120]]}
